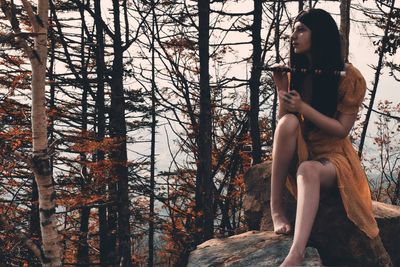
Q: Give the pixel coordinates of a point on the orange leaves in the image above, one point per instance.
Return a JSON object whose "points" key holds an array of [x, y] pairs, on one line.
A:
{"points": [[83, 143], [138, 260], [246, 156], [17, 61], [175, 239], [14, 113], [99, 171], [13, 183], [14, 132], [180, 43], [238, 185], [53, 112], [79, 200], [239, 181], [16, 137]]}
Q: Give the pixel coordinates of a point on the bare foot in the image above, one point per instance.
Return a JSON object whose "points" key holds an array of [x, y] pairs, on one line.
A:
{"points": [[293, 259], [281, 223]]}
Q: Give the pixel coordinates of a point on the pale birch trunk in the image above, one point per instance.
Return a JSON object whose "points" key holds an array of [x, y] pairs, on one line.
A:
{"points": [[41, 162], [51, 251]]}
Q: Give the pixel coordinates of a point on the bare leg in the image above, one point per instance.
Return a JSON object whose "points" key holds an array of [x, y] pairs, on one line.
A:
{"points": [[311, 177], [282, 154]]}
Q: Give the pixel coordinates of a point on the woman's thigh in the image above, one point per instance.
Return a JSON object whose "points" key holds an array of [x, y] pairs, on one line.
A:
{"points": [[323, 170], [328, 176]]}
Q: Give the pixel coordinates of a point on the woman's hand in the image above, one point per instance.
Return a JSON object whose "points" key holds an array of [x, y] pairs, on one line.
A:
{"points": [[291, 101], [280, 77]]}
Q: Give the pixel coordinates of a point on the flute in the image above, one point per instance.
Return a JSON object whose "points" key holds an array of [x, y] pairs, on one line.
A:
{"points": [[306, 70]]}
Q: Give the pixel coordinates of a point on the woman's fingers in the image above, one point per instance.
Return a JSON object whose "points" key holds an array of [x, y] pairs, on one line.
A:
{"points": [[281, 80], [278, 65], [281, 93], [279, 69], [287, 98], [290, 100]]}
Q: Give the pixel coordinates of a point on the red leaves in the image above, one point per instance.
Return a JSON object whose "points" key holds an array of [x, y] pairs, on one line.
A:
{"points": [[16, 137], [181, 43], [79, 200], [86, 145]]}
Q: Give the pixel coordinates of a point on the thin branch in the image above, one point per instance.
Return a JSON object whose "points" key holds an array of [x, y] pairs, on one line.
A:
{"points": [[9, 12], [32, 16]]}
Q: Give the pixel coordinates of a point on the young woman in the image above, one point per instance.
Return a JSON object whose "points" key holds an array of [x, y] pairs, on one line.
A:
{"points": [[312, 152]]}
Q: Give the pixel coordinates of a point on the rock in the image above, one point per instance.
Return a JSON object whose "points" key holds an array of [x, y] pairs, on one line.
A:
{"points": [[388, 219], [256, 204], [338, 240], [253, 248]]}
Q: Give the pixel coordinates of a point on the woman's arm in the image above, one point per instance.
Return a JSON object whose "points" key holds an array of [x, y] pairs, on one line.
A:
{"points": [[282, 83], [281, 107], [339, 127]]}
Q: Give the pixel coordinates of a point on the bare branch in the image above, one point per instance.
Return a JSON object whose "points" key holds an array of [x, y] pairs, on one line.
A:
{"points": [[9, 12], [32, 16]]}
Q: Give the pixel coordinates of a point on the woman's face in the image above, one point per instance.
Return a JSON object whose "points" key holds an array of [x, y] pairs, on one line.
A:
{"points": [[301, 38]]}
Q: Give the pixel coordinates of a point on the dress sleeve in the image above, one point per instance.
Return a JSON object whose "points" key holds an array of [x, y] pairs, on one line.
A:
{"points": [[351, 92]]}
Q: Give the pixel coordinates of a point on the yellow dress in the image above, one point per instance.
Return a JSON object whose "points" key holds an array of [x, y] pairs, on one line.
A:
{"points": [[351, 178]]}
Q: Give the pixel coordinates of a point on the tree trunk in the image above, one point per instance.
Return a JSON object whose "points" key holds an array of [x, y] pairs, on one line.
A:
{"points": [[83, 246], [345, 27], [255, 82], [118, 133], [41, 162], [34, 223], [277, 59], [150, 262], [204, 183], [301, 5], [101, 121]]}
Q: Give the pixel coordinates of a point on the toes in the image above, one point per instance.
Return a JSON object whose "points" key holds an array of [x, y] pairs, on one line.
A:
{"points": [[280, 230], [285, 229]]}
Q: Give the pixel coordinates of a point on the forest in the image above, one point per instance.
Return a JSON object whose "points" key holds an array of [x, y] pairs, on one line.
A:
{"points": [[126, 126]]}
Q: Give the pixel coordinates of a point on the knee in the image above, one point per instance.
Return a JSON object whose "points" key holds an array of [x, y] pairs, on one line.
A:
{"points": [[289, 123], [309, 172]]}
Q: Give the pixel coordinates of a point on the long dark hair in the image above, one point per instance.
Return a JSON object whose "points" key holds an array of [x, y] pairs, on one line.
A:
{"points": [[326, 54]]}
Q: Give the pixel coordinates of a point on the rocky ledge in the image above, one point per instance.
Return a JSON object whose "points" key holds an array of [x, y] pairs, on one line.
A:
{"points": [[253, 248]]}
